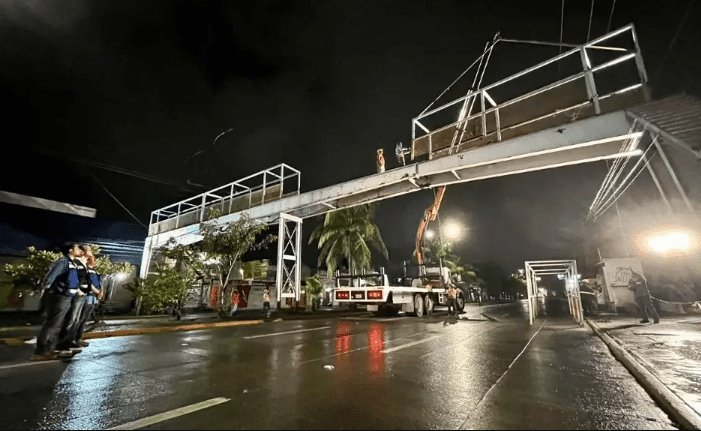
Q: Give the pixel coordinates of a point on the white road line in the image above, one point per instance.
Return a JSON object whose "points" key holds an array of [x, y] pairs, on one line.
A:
{"points": [[150, 420], [505, 372], [413, 343], [374, 319], [27, 364], [286, 332]]}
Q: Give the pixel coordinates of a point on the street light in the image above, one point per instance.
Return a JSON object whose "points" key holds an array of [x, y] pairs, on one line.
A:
{"points": [[670, 242], [452, 230]]}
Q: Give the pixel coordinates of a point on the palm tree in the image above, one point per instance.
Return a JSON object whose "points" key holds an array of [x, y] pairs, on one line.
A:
{"points": [[348, 234]]}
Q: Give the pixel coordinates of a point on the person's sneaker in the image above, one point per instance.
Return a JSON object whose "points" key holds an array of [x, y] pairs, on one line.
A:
{"points": [[656, 321], [82, 343], [51, 356], [66, 354], [644, 321]]}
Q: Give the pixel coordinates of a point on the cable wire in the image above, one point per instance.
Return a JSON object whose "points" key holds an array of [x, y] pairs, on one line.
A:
{"points": [[608, 26], [120, 203], [674, 40], [591, 14]]}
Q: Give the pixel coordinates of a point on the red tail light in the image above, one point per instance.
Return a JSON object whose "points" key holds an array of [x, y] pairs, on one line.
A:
{"points": [[374, 294], [342, 294]]}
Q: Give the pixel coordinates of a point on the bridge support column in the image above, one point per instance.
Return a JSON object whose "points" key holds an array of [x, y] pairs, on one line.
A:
{"points": [[289, 258]]}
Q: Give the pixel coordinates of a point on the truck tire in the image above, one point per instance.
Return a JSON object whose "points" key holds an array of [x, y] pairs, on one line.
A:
{"points": [[460, 302], [428, 305], [418, 305]]}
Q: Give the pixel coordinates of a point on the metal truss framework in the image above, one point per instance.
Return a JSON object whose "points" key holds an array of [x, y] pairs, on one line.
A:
{"points": [[566, 268], [289, 258]]}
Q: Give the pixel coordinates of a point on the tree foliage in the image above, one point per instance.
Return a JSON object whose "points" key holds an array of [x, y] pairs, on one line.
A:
{"points": [[313, 288], [166, 288], [32, 270], [348, 234]]}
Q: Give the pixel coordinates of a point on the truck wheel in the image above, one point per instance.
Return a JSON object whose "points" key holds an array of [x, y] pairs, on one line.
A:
{"points": [[428, 305], [418, 305], [460, 302]]}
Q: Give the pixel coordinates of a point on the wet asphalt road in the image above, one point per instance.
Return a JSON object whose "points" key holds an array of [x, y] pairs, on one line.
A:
{"points": [[338, 373]]}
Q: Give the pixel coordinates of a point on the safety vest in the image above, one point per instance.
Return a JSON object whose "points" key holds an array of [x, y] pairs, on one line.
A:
{"points": [[67, 283], [95, 281]]}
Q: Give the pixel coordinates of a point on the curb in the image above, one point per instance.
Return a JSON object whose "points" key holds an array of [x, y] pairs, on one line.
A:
{"points": [[670, 402]]}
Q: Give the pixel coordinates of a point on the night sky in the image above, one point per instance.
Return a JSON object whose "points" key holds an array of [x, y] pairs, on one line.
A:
{"points": [[319, 85]]}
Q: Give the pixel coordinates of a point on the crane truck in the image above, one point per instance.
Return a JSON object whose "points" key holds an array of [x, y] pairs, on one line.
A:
{"points": [[421, 288]]}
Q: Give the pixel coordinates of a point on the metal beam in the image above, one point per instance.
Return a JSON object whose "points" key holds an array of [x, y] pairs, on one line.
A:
{"points": [[591, 139], [46, 204]]}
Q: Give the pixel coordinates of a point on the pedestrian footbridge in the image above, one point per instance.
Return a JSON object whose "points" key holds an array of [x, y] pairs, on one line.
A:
{"points": [[581, 106]]}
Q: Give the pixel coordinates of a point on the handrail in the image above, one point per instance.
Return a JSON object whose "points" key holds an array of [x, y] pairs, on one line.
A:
{"points": [[586, 73], [271, 177]]}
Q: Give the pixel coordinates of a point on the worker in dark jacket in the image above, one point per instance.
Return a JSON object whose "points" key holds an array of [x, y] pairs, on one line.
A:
{"points": [[638, 285], [61, 285]]}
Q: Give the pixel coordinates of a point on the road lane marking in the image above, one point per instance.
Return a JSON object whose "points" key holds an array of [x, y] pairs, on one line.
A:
{"points": [[413, 343], [457, 342], [27, 364], [503, 374], [150, 420], [249, 337]]}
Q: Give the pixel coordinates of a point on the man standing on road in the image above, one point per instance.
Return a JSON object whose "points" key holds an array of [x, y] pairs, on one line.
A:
{"points": [[452, 299], [234, 303], [642, 297], [266, 302], [61, 284]]}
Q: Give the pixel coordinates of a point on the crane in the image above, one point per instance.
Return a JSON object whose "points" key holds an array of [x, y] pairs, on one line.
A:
{"points": [[429, 215]]}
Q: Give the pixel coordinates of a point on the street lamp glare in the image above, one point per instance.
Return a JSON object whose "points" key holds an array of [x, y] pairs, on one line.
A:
{"points": [[429, 234], [670, 242], [452, 230]]}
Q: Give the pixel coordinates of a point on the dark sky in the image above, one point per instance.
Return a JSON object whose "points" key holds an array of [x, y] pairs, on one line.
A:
{"points": [[319, 85]]}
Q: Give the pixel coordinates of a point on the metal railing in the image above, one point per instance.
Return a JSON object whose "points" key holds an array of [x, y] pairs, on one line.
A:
{"points": [[256, 189], [488, 125]]}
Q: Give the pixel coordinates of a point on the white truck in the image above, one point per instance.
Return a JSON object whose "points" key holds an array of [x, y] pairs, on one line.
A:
{"points": [[413, 295]]}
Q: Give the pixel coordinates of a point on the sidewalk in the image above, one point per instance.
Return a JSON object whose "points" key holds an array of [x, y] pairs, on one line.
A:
{"points": [[669, 351]]}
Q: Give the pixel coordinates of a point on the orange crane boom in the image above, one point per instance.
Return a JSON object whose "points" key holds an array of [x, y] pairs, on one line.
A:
{"points": [[429, 215]]}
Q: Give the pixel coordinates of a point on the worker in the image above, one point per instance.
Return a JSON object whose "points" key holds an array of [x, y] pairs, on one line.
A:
{"points": [[452, 299], [400, 152], [380, 161]]}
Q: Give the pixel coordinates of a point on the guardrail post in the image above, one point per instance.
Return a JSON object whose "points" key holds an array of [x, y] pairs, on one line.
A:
{"points": [[589, 80], [484, 115]]}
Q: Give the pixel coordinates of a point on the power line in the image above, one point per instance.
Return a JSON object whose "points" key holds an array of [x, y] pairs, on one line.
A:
{"points": [[120, 203], [674, 39], [115, 169], [608, 26], [562, 28], [591, 14]]}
